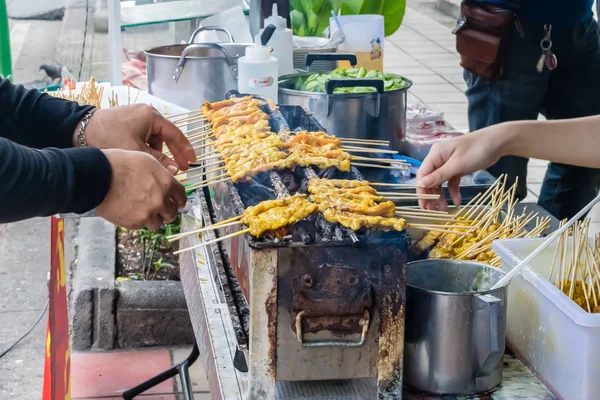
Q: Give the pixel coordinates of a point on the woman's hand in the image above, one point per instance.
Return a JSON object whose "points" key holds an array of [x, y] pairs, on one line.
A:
{"points": [[142, 192], [449, 160], [139, 127]]}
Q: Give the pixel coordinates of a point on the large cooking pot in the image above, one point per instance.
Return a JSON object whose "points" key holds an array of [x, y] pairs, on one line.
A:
{"points": [[189, 74], [372, 115], [455, 327]]}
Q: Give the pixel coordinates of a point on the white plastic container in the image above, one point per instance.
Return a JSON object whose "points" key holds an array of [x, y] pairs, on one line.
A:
{"points": [[553, 336], [258, 71], [282, 42], [365, 36]]}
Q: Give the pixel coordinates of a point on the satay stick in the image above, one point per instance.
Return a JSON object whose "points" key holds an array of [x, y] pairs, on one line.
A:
{"points": [[198, 111], [381, 160], [401, 185], [445, 231], [203, 185], [379, 142], [402, 168], [422, 210], [415, 225], [180, 236], [243, 231], [352, 149]]}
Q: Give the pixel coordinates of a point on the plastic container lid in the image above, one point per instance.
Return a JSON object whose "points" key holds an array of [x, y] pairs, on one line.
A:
{"points": [[258, 52], [276, 19]]}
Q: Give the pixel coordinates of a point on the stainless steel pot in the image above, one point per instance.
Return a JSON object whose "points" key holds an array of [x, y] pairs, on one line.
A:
{"points": [[372, 115], [455, 327], [189, 74]]}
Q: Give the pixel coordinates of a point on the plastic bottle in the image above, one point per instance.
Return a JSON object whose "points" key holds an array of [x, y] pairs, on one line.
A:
{"points": [[258, 71], [282, 42]]}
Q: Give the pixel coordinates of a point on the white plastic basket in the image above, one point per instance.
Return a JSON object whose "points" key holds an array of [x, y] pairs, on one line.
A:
{"points": [[553, 336]]}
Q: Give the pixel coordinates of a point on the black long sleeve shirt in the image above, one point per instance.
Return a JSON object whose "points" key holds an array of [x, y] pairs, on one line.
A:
{"points": [[40, 174]]}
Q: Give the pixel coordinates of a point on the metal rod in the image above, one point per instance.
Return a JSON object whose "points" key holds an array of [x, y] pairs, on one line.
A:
{"points": [[181, 369]]}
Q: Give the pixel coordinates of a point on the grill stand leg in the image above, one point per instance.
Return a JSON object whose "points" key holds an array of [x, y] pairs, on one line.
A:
{"points": [[263, 326], [181, 369], [391, 332]]}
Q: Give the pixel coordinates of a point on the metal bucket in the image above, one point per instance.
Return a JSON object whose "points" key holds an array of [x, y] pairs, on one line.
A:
{"points": [[372, 115], [189, 74], [455, 327]]}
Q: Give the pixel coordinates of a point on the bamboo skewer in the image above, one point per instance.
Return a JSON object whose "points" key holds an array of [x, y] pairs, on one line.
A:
{"points": [[243, 231], [205, 184], [436, 217], [402, 185], [198, 111], [410, 196], [382, 160], [420, 217], [174, 238], [364, 140], [414, 225], [446, 231], [402, 168], [352, 149], [207, 172], [190, 120], [410, 209]]}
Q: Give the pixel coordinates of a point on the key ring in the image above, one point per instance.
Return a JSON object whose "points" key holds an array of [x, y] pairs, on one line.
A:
{"points": [[546, 44]]}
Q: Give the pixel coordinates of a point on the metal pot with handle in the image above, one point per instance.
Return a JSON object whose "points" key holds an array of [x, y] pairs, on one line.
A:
{"points": [[189, 74], [455, 327], [365, 115]]}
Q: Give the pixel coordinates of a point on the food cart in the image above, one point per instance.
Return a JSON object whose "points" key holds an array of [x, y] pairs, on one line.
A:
{"points": [[318, 312]]}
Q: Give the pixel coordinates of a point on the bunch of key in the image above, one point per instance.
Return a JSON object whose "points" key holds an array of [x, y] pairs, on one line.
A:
{"points": [[548, 58]]}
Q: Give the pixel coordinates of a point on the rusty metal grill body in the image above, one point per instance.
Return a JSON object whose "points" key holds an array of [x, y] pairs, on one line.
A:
{"points": [[321, 303]]}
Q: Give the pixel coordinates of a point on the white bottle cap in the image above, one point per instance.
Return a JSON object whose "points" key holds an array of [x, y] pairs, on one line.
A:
{"points": [[258, 52], [275, 19]]}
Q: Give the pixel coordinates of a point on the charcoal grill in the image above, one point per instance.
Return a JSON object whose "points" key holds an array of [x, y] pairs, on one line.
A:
{"points": [[315, 302]]}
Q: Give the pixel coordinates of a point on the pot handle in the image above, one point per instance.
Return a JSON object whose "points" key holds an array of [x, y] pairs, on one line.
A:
{"points": [[312, 57], [211, 28], [181, 63], [496, 327], [332, 84]]}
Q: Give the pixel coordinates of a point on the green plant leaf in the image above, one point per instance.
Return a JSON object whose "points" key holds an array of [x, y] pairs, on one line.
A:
{"points": [[298, 22], [352, 7], [322, 8], [392, 11]]}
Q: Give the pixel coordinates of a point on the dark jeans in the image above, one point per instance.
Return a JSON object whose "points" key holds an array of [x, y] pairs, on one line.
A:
{"points": [[571, 90]]}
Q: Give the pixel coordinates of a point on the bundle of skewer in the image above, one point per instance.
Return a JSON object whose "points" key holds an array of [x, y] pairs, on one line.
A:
{"points": [[239, 133], [575, 266], [483, 218], [91, 94]]}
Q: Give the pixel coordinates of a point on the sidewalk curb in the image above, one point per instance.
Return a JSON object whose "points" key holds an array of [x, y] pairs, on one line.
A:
{"points": [[94, 294], [152, 313], [448, 7], [107, 314]]}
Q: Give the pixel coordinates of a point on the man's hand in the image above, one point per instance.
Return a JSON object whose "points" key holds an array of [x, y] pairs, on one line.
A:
{"points": [[139, 127], [142, 192], [449, 160]]}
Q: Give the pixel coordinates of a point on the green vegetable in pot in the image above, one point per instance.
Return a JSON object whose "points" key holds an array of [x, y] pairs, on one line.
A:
{"points": [[316, 82]]}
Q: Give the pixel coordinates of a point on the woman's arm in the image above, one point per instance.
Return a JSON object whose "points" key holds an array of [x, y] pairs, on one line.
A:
{"points": [[572, 141], [37, 120]]}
